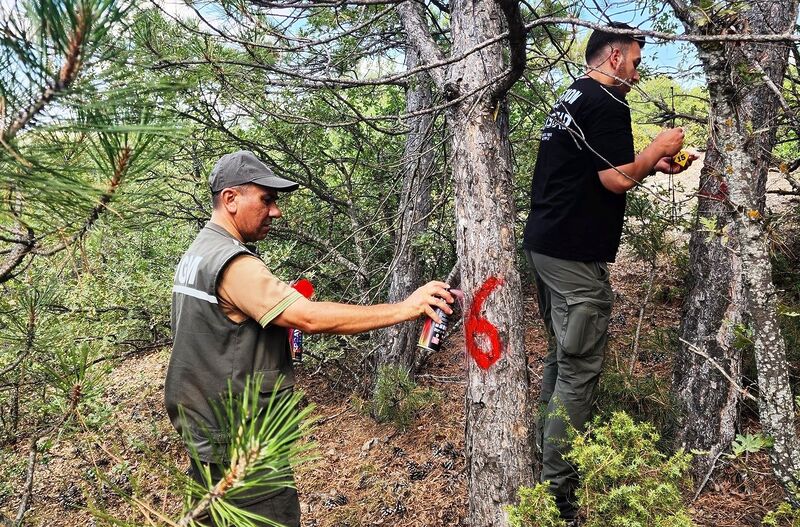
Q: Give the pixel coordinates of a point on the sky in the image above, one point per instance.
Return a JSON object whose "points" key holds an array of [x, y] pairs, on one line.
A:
{"points": [[667, 58]]}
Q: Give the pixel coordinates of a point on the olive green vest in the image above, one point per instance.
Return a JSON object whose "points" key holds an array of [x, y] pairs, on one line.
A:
{"points": [[209, 349]]}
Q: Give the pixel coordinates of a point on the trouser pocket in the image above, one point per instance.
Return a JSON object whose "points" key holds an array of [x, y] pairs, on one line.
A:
{"points": [[585, 327]]}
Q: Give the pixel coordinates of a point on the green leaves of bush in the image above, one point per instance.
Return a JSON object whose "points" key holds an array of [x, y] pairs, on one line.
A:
{"points": [[397, 398], [625, 481], [536, 508]]}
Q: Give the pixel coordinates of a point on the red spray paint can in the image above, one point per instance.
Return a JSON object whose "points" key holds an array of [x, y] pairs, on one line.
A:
{"points": [[433, 332], [305, 288]]}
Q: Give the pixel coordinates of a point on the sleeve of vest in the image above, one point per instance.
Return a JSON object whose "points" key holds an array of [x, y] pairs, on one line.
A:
{"points": [[251, 288]]}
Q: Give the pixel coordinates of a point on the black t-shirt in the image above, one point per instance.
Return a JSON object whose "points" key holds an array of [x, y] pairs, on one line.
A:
{"points": [[573, 216]]}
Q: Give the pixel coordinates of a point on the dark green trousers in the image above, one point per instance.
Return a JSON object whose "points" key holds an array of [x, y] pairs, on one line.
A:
{"points": [[575, 301], [282, 506]]}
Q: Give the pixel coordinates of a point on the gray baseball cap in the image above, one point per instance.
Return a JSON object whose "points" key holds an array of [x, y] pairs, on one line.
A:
{"points": [[244, 167]]}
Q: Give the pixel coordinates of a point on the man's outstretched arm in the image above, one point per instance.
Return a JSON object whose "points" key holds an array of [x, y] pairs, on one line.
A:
{"points": [[347, 319]]}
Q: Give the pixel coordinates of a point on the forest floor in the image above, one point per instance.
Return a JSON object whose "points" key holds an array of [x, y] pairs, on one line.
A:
{"points": [[370, 474]]}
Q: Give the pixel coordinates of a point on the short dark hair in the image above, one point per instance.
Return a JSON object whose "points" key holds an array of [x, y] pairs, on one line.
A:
{"points": [[599, 39], [215, 195]]}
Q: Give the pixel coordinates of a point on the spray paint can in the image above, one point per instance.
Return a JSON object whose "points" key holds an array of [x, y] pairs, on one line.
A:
{"points": [[296, 344], [433, 332], [305, 288]]}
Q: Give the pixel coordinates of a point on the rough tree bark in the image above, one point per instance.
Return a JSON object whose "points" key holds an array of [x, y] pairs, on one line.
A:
{"points": [[744, 108], [498, 425], [399, 342], [709, 403]]}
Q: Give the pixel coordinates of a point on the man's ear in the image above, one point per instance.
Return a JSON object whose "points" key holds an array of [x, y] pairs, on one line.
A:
{"points": [[228, 200], [615, 58]]}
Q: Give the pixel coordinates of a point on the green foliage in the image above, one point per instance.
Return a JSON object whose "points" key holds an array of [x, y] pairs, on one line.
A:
{"points": [[66, 107], [536, 508], [645, 111], [749, 444], [643, 397], [264, 446], [646, 230], [397, 398], [714, 230], [784, 516], [626, 480], [743, 337]]}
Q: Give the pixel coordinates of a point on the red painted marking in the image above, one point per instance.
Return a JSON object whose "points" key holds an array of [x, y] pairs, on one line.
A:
{"points": [[480, 326], [720, 195]]}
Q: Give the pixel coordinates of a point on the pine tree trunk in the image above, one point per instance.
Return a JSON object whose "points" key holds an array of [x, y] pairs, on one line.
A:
{"points": [[407, 269], [498, 413], [744, 109], [498, 432]]}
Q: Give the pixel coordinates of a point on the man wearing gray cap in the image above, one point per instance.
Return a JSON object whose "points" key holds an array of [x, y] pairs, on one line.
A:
{"points": [[230, 314]]}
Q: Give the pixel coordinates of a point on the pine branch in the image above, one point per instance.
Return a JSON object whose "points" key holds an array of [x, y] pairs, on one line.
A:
{"points": [[68, 73], [122, 165], [420, 38], [517, 47], [264, 441], [697, 351], [18, 253]]}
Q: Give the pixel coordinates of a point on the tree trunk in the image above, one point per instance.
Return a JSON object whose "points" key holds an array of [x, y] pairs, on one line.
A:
{"points": [[714, 305], [406, 274], [498, 432], [744, 109], [498, 413]]}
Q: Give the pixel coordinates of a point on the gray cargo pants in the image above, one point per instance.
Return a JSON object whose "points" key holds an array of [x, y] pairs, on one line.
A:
{"points": [[575, 302]]}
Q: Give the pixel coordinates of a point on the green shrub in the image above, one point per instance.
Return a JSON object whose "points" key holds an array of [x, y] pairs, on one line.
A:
{"points": [[644, 398], [536, 508], [784, 516], [397, 399], [625, 480]]}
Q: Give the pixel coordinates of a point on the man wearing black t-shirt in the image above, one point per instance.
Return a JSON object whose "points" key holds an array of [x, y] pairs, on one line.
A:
{"points": [[585, 165]]}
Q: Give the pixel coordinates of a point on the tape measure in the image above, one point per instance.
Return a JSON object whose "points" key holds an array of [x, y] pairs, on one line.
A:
{"points": [[681, 158]]}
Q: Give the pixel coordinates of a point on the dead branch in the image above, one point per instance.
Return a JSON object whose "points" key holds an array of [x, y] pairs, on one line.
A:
{"points": [[697, 351]]}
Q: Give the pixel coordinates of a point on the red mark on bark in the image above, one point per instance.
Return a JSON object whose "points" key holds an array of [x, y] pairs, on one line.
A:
{"points": [[720, 195], [480, 326]]}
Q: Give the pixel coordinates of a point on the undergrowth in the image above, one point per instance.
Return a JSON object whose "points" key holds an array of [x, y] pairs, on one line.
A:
{"points": [[784, 516], [626, 481], [644, 398], [397, 398]]}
